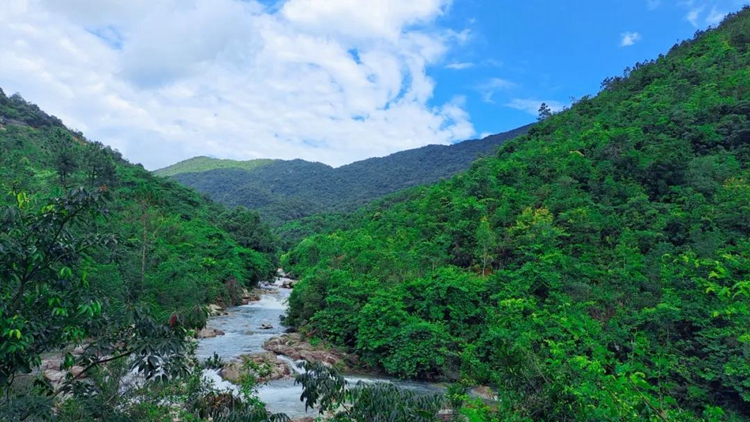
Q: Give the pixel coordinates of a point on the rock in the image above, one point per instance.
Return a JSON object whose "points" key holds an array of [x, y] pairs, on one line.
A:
{"points": [[447, 415], [76, 370], [295, 348], [483, 392], [54, 377], [263, 367], [208, 333], [57, 376], [215, 310], [250, 296], [265, 326], [288, 283], [305, 419], [53, 363]]}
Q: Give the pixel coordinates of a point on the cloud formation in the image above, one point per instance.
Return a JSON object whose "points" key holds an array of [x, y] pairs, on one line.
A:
{"points": [[488, 88], [459, 65], [699, 14], [629, 38], [163, 80]]}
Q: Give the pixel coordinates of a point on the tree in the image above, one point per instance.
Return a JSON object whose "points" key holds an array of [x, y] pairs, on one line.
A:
{"points": [[45, 301], [486, 242], [98, 164], [325, 387], [65, 159], [544, 112]]}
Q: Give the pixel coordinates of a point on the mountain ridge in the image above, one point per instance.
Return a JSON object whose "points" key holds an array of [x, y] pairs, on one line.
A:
{"points": [[285, 190]]}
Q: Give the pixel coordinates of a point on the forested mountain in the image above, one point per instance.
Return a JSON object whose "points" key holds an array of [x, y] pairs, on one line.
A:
{"points": [[596, 268], [166, 234], [98, 253], [283, 191], [201, 164]]}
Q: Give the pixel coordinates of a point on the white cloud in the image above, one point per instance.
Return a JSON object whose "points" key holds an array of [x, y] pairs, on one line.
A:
{"points": [[693, 16], [531, 105], [629, 38], [163, 80], [488, 89], [459, 65], [715, 17], [699, 15]]}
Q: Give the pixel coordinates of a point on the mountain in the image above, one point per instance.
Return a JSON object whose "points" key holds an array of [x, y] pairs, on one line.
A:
{"points": [[201, 164], [171, 247], [282, 191], [596, 268]]}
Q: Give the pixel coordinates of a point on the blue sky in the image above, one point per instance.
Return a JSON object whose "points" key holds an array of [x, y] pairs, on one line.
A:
{"points": [[557, 50], [334, 81]]}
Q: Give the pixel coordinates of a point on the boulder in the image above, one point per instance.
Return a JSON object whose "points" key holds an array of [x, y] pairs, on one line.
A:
{"points": [[54, 363], [288, 283], [76, 370], [263, 367], [292, 346], [208, 333], [266, 326], [250, 296], [483, 392], [215, 310], [53, 376]]}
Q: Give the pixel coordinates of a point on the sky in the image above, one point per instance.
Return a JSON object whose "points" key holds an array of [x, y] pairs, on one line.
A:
{"points": [[334, 81]]}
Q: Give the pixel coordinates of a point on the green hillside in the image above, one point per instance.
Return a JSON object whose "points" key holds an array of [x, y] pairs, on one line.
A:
{"points": [[597, 268], [284, 191], [203, 164], [100, 254]]}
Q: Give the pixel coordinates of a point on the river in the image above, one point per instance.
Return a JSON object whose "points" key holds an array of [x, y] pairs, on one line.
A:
{"points": [[244, 336]]}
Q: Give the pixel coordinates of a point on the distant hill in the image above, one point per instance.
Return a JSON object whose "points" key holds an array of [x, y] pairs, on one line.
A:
{"points": [[200, 164], [282, 191]]}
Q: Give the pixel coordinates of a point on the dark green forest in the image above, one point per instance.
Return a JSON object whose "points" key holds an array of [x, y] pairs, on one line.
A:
{"points": [[99, 253], [596, 268], [285, 191]]}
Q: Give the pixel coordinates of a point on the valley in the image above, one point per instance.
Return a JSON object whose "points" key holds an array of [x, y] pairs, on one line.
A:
{"points": [[593, 266]]}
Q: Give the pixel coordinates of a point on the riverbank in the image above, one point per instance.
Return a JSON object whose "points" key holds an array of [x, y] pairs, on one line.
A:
{"points": [[254, 330]]}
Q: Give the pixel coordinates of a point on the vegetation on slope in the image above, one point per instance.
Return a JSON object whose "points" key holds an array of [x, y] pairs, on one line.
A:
{"points": [[597, 268], [283, 191], [201, 164], [100, 253]]}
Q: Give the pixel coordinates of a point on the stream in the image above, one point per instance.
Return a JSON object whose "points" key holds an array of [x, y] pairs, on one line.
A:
{"points": [[243, 336]]}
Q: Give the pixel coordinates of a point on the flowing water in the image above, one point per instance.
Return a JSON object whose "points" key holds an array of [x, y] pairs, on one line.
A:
{"points": [[243, 335]]}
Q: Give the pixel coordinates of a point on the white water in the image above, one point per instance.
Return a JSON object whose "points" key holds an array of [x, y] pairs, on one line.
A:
{"points": [[244, 336]]}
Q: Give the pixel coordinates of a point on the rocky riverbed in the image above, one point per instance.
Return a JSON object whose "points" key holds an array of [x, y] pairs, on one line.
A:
{"points": [[254, 341]]}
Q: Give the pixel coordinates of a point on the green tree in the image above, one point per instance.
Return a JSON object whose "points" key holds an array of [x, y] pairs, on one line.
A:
{"points": [[544, 112], [486, 243], [45, 301], [64, 155]]}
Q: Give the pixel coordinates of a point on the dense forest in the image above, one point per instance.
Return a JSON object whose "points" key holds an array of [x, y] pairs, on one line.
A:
{"points": [[596, 268], [284, 191], [98, 253]]}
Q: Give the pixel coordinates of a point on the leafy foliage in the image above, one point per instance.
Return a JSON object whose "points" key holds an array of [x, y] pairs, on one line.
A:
{"points": [[365, 402], [100, 254], [594, 269]]}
